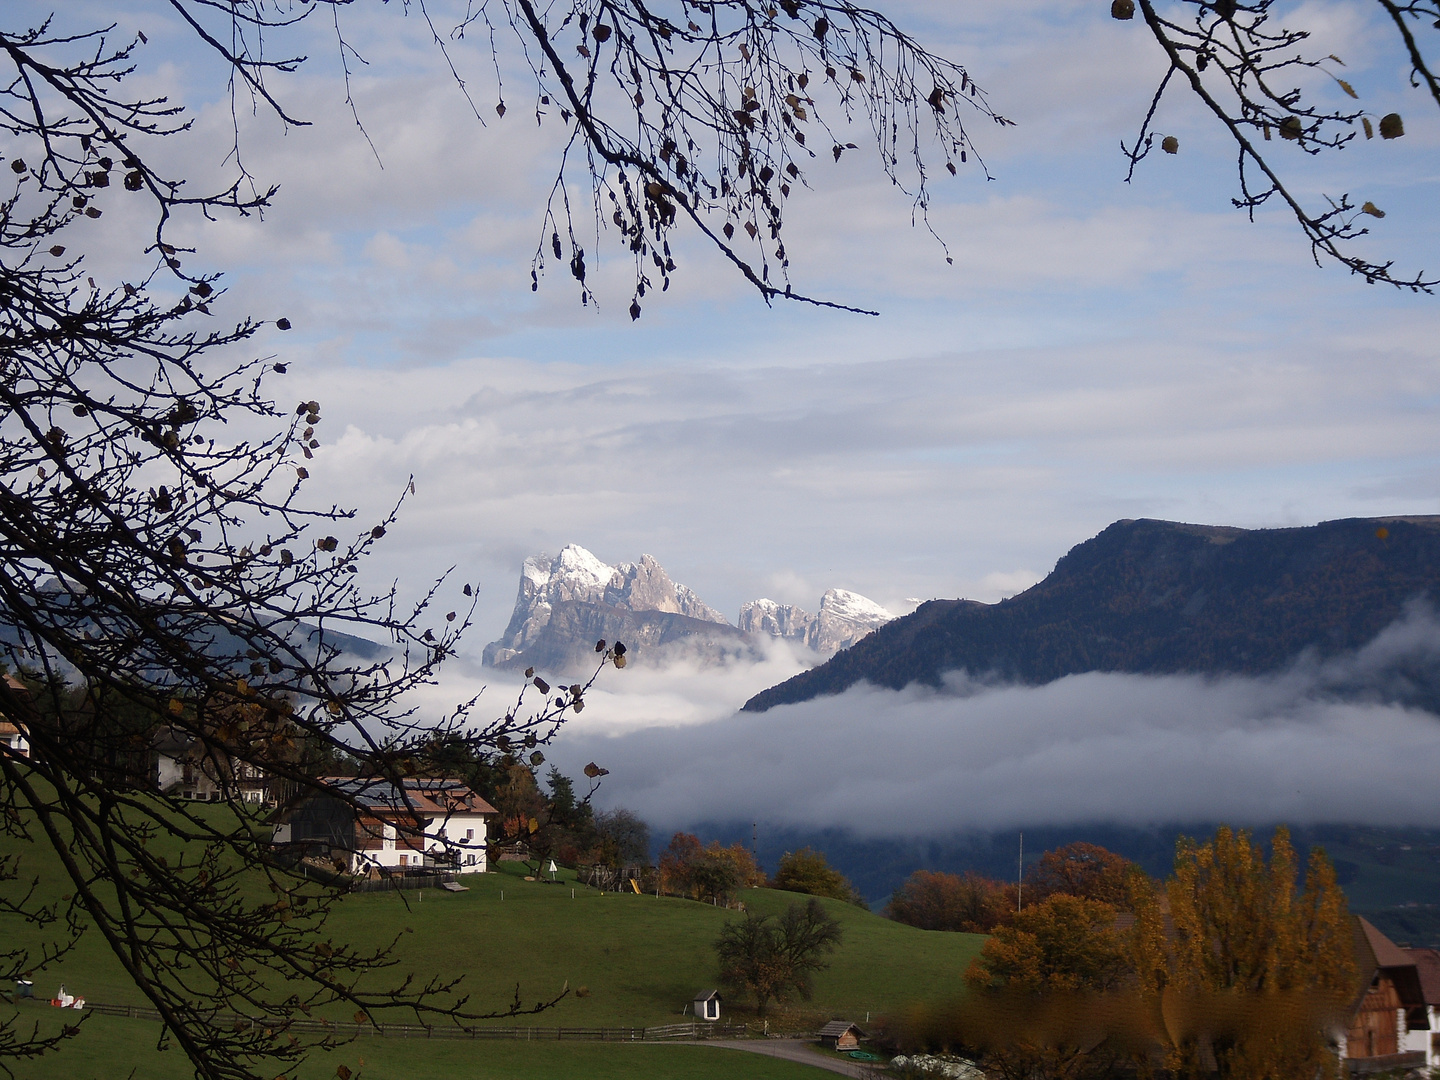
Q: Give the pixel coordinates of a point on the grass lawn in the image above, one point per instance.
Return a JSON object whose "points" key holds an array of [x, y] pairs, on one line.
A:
{"points": [[639, 960], [630, 960], [113, 1048]]}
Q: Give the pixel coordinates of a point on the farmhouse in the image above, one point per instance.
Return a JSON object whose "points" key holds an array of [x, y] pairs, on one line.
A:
{"points": [[370, 823], [459, 835], [183, 765], [12, 738], [1390, 1010]]}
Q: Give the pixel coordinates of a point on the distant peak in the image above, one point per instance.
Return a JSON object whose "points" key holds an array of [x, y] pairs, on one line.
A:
{"points": [[842, 603], [577, 577]]}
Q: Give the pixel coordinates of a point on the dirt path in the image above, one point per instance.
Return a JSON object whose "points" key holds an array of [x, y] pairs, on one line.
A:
{"points": [[797, 1050]]}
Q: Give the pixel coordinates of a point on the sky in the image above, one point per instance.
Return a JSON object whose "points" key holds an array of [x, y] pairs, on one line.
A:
{"points": [[1097, 350]]}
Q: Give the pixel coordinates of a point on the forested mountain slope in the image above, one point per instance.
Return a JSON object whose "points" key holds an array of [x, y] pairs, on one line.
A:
{"points": [[1162, 597]]}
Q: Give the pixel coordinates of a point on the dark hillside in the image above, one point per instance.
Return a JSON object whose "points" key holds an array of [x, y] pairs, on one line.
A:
{"points": [[1159, 597]]}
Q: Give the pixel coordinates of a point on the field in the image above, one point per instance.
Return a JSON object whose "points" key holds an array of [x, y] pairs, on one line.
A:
{"points": [[113, 1048], [629, 960]]}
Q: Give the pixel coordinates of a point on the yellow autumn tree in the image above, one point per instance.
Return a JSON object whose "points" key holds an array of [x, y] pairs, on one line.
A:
{"points": [[1255, 972]]}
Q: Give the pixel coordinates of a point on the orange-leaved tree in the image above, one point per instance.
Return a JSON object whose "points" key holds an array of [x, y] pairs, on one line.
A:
{"points": [[1044, 993], [1065, 943], [1079, 869], [1256, 971], [707, 871], [970, 903]]}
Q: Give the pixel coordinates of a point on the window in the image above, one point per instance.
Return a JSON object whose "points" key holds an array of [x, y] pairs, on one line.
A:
{"points": [[469, 834], [404, 860]]}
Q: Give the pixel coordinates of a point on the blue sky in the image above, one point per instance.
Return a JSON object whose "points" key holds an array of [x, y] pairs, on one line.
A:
{"points": [[1098, 350]]}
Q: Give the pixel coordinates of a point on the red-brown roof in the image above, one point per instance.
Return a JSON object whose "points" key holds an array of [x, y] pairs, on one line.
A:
{"points": [[1374, 952], [1427, 962], [454, 795], [381, 797], [1387, 953]]}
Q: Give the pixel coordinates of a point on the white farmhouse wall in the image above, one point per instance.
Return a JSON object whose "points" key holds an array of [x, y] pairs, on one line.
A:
{"points": [[464, 834]]}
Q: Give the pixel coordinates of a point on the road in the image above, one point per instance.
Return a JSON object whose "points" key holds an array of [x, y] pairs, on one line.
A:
{"points": [[797, 1050]]}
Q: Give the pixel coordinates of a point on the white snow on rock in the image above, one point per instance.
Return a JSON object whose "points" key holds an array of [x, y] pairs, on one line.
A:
{"points": [[765, 616], [577, 575], [845, 617], [852, 607]]}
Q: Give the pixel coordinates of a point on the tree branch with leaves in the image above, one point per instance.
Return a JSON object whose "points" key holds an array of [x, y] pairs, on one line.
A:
{"points": [[1246, 72]]}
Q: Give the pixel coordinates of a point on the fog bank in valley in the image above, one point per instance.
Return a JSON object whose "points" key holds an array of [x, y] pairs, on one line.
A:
{"points": [[1320, 742]]}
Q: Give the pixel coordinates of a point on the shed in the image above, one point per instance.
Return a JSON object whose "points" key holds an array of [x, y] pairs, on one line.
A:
{"points": [[707, 1005], [841, 1035]]}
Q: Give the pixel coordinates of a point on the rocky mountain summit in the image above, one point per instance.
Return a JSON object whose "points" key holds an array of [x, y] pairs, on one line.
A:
{"points": [[845, 617], [567, 603]]}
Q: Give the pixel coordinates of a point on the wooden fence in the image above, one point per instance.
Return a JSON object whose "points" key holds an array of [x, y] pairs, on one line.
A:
{"points": [[394, 882], [309, 1026]]}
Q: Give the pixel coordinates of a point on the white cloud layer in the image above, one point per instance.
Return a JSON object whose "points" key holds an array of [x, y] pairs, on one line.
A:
{"points": [[1123, 749]]}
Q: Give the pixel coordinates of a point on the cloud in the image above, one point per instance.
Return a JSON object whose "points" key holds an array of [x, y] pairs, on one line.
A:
{"points": [[1122, 749], [671, 688], [958, 474]]}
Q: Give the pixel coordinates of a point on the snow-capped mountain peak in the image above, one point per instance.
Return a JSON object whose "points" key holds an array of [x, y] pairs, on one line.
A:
{"points": [[567, 602], [844, 604]]}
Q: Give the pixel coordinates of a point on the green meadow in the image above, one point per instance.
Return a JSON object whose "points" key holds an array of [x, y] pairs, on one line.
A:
{"points": [[628, 960], [114, 1048]]}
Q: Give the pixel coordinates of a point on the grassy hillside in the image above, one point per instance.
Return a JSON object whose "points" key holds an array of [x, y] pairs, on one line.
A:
{"points": [[112, 1048], [639, 960]]}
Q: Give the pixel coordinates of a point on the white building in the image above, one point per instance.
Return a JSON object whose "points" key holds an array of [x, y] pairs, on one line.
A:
{"points": [[14, 739], [1427, 962], [458, 836], [368, 823]]}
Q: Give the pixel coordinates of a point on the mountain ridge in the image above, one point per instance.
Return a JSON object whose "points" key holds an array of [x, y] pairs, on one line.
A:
{"points": [[566, 603], [1158, 597]]}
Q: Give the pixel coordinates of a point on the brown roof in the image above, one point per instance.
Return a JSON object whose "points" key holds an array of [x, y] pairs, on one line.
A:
{"points": [[7, 728], [380, 797], [1374, 952], [1427, 962], [454, 795], [1387, 953]]}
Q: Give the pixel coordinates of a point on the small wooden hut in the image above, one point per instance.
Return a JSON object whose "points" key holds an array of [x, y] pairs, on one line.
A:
{"points": [[841, 1035]]}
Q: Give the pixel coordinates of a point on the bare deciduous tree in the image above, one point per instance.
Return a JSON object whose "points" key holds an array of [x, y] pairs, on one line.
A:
{"points": [[162, 571], [159, 564], [1247, 72], [777, 958]]}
